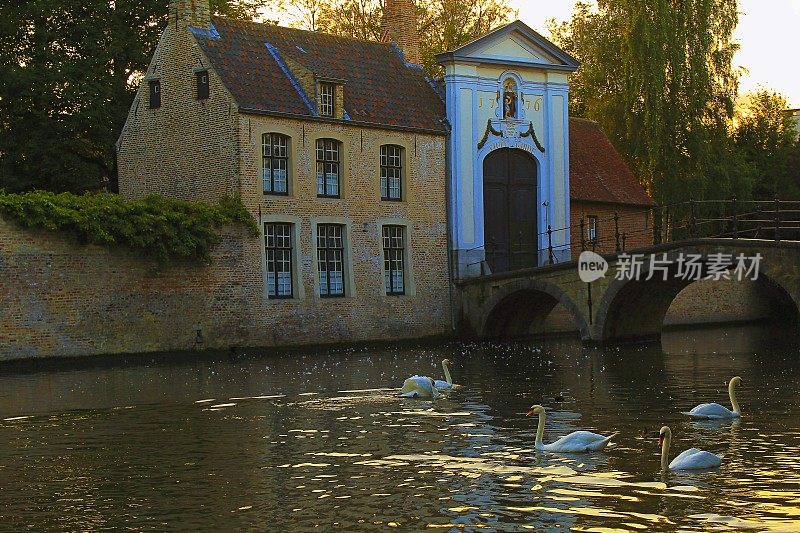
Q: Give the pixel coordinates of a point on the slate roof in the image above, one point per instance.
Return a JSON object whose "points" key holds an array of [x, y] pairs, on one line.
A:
{"points": [[379, 88], [597, 172]]}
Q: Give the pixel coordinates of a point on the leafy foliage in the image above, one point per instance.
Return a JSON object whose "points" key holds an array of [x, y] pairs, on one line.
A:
{"points": [[765, 135], [443, 24], [68, 74], [657, 77], [165, 229]]}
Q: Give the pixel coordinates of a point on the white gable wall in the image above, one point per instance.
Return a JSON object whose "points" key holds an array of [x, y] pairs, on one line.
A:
{"points": [[472, 84]]}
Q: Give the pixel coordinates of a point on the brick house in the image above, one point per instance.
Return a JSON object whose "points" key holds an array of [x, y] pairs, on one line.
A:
{"points": [[602, 186], [366, 177], [336, 145]]}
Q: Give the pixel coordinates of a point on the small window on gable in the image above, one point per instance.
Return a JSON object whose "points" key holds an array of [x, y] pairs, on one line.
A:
{"points": [[327, 99], [202, 84], [155, 94]]}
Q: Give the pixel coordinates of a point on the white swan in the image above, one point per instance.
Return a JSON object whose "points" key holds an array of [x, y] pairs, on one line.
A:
{"points": [[419, 387], [575, 442], [447, 383], [716, 411], [691, 459]]}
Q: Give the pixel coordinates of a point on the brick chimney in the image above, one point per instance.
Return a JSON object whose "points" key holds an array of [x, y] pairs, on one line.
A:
{"points": [[194, 13], [400, 26]]}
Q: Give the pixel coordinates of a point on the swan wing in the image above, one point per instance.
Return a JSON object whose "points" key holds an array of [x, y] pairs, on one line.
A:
{"points": [[442, 384], [711, 410], [694, 459], [419, 387], [579, 442]]}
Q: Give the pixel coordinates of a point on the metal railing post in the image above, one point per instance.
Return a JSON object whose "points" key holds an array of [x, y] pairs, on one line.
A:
{"points": [[777, 219], [692, 219], [735, 219], [583, 237], [616, 228], [550, 244]]}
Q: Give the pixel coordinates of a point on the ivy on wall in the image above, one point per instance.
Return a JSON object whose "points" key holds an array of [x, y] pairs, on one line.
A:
{"points": [[164, 229]]}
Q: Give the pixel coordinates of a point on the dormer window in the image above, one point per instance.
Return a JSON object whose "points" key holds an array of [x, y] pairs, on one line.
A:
{"points": [[202, 84], [327, 99], [155, 94]]}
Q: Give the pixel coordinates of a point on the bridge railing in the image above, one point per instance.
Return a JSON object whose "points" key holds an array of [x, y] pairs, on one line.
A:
{"points": [[711, 219]]}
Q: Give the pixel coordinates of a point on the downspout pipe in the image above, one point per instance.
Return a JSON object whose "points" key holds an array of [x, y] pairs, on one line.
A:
{"points": [[449, 224]]}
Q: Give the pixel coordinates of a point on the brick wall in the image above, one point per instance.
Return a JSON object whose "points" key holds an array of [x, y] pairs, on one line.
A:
{"points": [[400, 24], [370, 312], [201, 150], [187, 148], [634, 223], [60, 298]]}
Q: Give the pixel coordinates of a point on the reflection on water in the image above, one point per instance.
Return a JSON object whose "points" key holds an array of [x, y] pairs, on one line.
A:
{"points": [[321, 441]]}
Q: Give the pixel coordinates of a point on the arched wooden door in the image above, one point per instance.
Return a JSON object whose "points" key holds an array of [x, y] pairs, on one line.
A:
{"points": [[509, 210]]}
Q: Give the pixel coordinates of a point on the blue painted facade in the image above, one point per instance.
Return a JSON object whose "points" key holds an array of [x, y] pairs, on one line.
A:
{"points": [[476, 82]]}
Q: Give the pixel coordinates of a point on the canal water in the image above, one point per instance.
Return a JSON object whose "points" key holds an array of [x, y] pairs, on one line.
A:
{"points": [[320, 441]]}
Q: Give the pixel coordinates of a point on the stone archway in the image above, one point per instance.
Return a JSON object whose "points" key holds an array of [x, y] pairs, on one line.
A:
{"points": [[520, 308], [635, 309]]}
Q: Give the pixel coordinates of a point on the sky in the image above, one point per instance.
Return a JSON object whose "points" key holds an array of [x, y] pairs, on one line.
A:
{"points": [[768, 32]]}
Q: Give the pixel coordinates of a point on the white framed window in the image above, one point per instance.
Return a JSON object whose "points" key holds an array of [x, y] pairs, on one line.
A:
{"points": [[328, 168], [331, 260], [327, 98], [278, 246], [391, 156], [275, 163], [394, 259]]}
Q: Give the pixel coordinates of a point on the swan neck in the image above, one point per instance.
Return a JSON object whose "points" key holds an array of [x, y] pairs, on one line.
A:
{"points": [[665, 451], [447, 373], [540, 430], [732, 394]]}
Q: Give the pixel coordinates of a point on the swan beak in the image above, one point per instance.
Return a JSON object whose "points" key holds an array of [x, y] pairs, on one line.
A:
{"points": [[530, 413], [660, 440]]}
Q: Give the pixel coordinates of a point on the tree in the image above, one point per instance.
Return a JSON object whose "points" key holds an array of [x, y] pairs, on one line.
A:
{"points": [[352, 18], [765, 134], [68, 74], [447, 24], [657, 77], [443, 24]]}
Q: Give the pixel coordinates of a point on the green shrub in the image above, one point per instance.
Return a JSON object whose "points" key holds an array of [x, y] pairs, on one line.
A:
{"points": [[161, 228]]}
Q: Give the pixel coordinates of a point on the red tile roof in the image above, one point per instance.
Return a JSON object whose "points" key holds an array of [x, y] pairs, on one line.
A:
{"points": [[379, 88], [597, 172]]}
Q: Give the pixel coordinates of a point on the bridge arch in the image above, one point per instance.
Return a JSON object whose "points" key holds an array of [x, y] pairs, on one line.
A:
{"points": [[518, 307], [635, 309]]}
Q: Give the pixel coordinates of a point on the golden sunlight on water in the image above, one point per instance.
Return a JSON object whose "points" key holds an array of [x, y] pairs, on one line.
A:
{"points": [[321, 441]]}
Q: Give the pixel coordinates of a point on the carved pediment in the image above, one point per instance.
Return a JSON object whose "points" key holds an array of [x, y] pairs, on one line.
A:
{"points": [[514, 43]]}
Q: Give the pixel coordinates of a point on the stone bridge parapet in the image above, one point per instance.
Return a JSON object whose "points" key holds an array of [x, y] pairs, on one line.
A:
{"points": [[517, 303]]}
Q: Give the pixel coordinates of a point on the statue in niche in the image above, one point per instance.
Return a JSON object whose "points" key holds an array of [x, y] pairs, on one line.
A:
{"points": [[509, 99]]}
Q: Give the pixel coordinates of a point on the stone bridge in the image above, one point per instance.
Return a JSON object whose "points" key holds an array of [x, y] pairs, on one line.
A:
{"points": [[516, 304]]}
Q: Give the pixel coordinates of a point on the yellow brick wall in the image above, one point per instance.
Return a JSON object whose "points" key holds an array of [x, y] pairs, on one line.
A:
{"points": [[187, 148], [204, 149], [369, 313]]}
